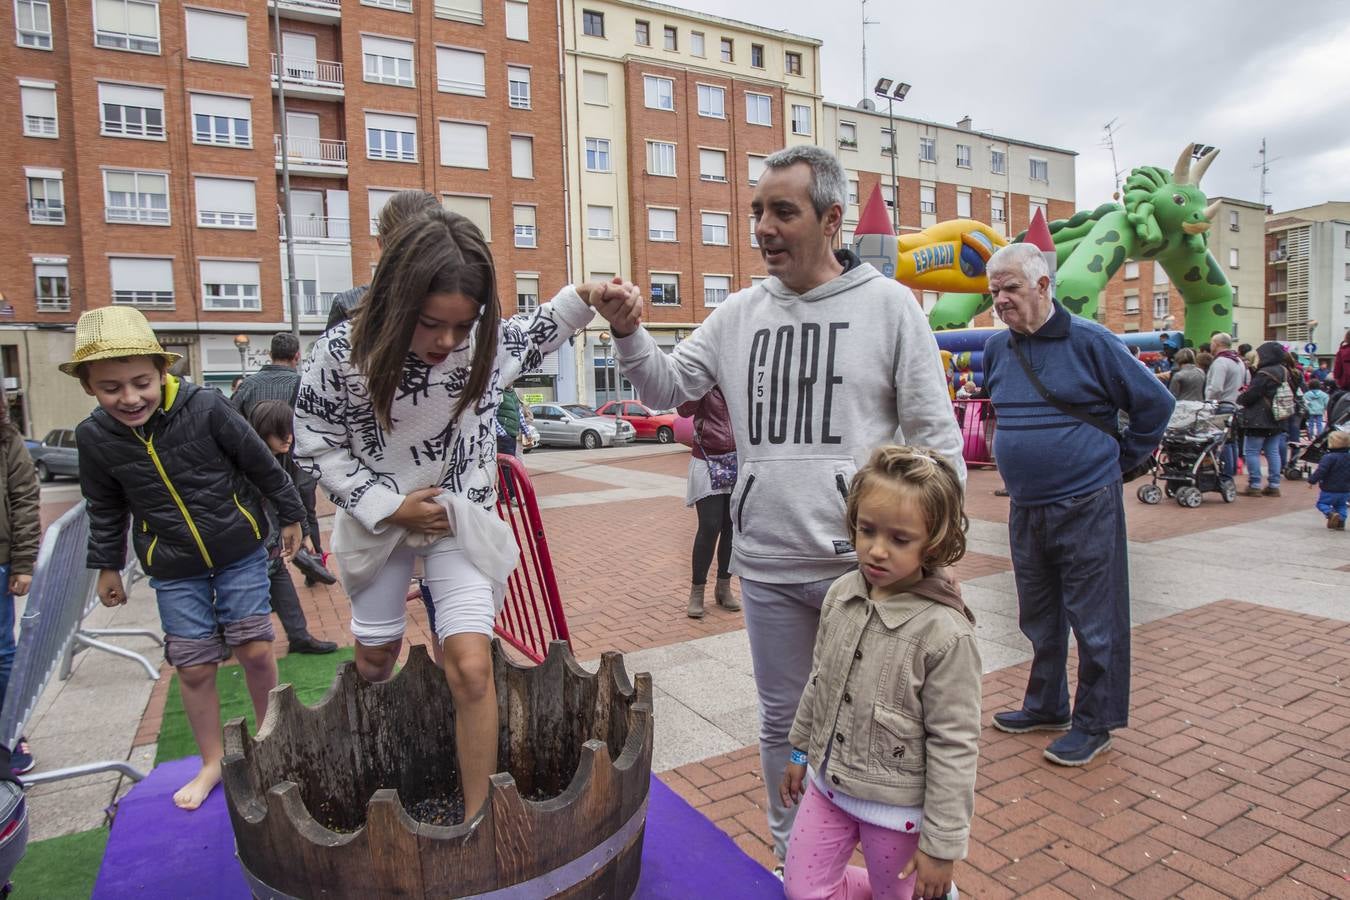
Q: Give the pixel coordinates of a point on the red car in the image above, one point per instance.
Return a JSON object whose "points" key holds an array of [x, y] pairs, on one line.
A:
{"points": [[650, 424]]}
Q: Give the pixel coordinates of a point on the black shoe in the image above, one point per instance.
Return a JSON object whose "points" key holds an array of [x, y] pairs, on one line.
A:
{"points": [[1077, 748], [21, 760], [1020, 722], [312, 568], [308, 644]]}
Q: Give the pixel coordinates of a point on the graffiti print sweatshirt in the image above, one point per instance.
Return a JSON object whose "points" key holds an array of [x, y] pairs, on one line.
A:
{"points": [[813, 382]]}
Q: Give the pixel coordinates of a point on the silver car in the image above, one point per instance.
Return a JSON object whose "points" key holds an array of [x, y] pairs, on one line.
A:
{"points": [[56, 455], [574, 425]]}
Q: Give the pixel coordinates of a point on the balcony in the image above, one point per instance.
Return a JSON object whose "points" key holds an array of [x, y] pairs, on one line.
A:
{"points": [[1279, 318], [1278, 287], [315, 79], [313, 156], [317, 229], [312, 306], [325, 11], [1279, 254], [53, 304], [143, 299]]}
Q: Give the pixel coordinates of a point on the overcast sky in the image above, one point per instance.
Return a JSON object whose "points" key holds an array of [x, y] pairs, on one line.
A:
{"points": [[1223, 73]]}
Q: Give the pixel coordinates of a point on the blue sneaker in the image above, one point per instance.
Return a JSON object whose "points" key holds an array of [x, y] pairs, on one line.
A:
{"points": [[1020, 722], [1077, 748]]}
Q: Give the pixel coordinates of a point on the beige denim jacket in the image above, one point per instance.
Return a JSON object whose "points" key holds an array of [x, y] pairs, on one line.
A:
{"points": [[895, 691]]}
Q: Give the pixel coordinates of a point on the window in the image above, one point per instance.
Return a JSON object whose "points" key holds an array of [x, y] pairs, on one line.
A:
{"points": [[660, 224], [658, 93], [756, 56], [927, 149], [595, 88], [141, 282], [696, 44], [517, 20], [46, 197], [642, 33], [131, 111], [53, 285], [470, 11], [1347, 271], [600, 222], [756, 167], [1232, 258], [136, 197], [127, 25], [460, 72], [962, 205], [887, 141], [38, 100], [518, 84], [597, 155], [33, 22], [1233, 220], [217, 37], [593, 23], [928, 199], [1347, 240], [665, 289], [391, 137], [801, 119], [527, 294], [230, 285], [477, 210], [848, 135], [660, 158], [997, 212], [1040, 170], [715, 289], [853, 191], [227, 203], [754, 239], [728, 50], [1159, 275], [792, 62], [1131, 270], [712, 165], [399, 5], [523, 217], [963, 156], [888, 195], [671, 37], [1131, 304], [758, 109], [387, 61], [1035, 205], [712, 101], [1160, 305], [998, 162], [715, 228], [221, 120], [464, 145], [522, 156], [375, 201]]}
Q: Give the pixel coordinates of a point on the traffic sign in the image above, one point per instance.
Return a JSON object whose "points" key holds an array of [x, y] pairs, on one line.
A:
{"points": [[1309, 348]]}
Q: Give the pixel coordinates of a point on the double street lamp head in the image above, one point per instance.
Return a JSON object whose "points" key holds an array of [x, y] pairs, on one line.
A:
{"points": [[884, 89]]}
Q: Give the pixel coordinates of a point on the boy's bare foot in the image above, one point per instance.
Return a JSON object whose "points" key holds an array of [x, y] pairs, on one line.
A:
{"points": [[194, 793]]}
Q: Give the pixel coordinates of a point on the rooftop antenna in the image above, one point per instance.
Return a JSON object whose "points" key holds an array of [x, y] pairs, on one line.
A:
{"points": [[1109, 142], [865, 22], [1264, 166]]}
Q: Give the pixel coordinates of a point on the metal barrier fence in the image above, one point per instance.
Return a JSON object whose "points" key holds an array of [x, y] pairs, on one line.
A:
{"points": [[976, 421], [61, 595], [532, 615]]}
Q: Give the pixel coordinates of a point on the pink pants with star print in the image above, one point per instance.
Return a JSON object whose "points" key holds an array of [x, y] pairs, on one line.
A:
{"points": [[823, 840]]}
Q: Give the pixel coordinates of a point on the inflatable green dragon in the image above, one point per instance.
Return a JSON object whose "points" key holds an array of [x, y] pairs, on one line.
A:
{"points": [[1164, 218]]}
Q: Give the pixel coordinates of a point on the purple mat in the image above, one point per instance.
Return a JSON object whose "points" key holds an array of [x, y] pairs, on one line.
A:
{"points": [[157, 850]]}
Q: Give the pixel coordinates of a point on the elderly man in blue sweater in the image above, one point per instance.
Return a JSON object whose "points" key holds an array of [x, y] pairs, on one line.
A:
{"points": [[1058, 383]]}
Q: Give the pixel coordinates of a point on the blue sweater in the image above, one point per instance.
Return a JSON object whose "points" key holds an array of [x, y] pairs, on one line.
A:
{"points": [[1046, 456], [1333, 472]]}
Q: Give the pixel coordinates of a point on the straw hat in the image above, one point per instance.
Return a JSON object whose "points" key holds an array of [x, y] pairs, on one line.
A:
{"points": [[114, 332]]}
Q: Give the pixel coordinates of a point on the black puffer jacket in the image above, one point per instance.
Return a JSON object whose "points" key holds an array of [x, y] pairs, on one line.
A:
{"points": [[1270, 374], [191, 481]]}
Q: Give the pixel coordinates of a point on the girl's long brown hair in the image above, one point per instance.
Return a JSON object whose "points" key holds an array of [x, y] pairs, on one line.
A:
{"points": [[437, 252]]}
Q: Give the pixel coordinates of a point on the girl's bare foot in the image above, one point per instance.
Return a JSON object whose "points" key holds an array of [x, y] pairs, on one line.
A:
{"points": [[194, 793]]}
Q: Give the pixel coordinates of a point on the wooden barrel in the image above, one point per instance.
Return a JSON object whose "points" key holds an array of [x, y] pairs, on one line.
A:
{"points": [[320, 800]]}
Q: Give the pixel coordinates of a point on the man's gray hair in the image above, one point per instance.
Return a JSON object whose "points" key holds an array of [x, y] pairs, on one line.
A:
{"points": [[829, 184], [1023, 257], [1221, 339]]}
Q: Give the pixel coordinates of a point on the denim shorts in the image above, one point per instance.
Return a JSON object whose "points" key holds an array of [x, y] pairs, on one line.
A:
{"points": [[204, 615]]}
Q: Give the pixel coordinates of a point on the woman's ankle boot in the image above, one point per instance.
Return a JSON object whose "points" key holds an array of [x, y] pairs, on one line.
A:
{"points": [[724, 597], [696, 592]]}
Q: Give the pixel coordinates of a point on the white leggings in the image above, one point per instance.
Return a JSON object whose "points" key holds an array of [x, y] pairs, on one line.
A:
{"points": [[461, 594]]}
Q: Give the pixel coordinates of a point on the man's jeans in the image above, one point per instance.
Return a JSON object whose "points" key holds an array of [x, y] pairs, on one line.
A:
{"points": [[1254, 446], [1069, 562], [781, 621]]}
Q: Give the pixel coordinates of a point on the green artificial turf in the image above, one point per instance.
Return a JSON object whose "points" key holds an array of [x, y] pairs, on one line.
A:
{"points": [[63, 867], [311, 675]]}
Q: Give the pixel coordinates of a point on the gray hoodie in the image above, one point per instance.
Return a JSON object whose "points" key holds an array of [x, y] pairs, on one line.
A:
{"points": [[813, 382]]}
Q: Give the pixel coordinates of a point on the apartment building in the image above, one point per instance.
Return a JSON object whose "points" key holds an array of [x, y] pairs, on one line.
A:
{"points": [[148, 164], [944, 172], [1308, 292], [669, 116]]}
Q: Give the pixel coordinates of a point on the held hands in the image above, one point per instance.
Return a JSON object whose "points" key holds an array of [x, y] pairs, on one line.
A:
{"points": [[290, 540], [790, 788], [935, 875], [419, 512], [618, 301], [110, 589], [19, 585]]}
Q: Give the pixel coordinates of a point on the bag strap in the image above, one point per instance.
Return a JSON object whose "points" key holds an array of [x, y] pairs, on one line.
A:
{"points": [[1067, 408]]}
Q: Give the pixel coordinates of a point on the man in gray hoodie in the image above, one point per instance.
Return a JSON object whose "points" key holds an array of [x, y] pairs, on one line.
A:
{"points": [[821, 363]]}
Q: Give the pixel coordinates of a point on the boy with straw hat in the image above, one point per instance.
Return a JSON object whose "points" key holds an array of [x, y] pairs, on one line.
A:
{"points": [[188, 470]]}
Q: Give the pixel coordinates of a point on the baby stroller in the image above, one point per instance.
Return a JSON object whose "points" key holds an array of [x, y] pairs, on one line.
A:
{"points": [[1188, 460], [1302, 464]]}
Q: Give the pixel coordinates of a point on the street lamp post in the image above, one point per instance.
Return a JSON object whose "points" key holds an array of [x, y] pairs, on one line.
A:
{"points": [[604, 352], [241, 344], [883, 89]]}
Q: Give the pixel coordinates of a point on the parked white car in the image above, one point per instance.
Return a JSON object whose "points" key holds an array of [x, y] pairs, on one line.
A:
{"points": [[574, 425]]}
